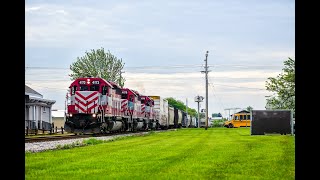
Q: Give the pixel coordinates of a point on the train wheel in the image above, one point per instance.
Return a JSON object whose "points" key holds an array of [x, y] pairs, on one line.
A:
{"points": [[230, 125]]}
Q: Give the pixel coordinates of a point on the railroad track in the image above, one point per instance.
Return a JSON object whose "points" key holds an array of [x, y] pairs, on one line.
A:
{"points": [[54, 138], [73, 136]]}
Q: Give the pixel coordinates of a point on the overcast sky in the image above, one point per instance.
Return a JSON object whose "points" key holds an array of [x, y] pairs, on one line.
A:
{"points": [[163, 45]]}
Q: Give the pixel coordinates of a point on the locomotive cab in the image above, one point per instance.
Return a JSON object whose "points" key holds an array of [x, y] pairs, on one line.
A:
{"points": [[86, 108]]}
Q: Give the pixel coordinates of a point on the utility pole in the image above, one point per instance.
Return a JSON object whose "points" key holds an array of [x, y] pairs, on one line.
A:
{"points": [[231, 109], [121, 78], [206, 71]]}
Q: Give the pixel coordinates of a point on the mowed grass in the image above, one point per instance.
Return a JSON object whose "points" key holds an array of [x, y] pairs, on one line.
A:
{"points": [[216, 153]]}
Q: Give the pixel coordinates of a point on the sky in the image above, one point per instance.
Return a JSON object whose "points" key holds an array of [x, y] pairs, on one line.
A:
{"points": [[162, 44]]}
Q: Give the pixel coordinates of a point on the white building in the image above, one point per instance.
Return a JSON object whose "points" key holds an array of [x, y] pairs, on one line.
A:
{"points": [[37, 110]]}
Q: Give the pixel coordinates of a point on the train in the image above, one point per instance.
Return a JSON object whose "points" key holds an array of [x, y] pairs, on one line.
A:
{"points": [[95, 105]]}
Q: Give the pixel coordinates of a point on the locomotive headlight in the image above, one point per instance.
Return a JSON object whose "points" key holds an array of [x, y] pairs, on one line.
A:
{"points": [[94, 115], [70, 115]]}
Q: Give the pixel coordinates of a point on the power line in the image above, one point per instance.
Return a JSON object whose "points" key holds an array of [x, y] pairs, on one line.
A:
{"points": [[132, 67], [149, 79], [239, 87], [247, 65], [43, 67], [49, 77], [216, 96], [46, 87], [45, 80], [169, 66]]}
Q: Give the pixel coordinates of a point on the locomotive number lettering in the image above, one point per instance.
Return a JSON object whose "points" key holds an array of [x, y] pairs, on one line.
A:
{"points": [[124, 92], [82, 82], [95, 82]]}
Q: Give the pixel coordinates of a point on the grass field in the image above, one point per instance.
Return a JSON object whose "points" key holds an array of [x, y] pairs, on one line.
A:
{"points": [[216, 153]]}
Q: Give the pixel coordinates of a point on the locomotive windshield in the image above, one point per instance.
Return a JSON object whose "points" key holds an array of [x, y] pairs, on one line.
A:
{"points": [[104, 90], [124, 96], [94, 88], [83, 88]]}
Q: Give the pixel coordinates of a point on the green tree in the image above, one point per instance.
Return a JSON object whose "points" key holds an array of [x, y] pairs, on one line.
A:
{"points": [[180, 105], [98, 63], [216, 115], [249, 108], [283, 87]]}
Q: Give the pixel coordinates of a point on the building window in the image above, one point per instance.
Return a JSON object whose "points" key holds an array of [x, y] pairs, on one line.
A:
{"points": [[44, 110]]}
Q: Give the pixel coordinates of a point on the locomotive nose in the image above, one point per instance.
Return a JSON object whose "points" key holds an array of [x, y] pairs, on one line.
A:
{"points": [[82, 123]]}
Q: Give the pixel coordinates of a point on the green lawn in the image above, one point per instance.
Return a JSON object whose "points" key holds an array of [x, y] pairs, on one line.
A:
{"points": [[216, 153]]}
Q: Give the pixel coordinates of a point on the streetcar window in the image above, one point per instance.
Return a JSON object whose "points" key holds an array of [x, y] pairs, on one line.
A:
{"points": [[104, 90], [94, 88], [241, 117], [83, 88], [248, 117]]}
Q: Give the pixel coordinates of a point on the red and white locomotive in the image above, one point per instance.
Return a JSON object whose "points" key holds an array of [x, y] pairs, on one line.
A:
{"points": [[96, 105]]}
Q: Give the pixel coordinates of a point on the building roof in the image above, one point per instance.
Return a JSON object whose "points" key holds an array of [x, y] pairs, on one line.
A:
{"points": [[40, 101], [30, 91], [243, 111], [33, 97]]}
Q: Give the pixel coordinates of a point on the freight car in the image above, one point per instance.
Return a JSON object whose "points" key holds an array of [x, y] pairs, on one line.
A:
{"points": [[161, 108], [178, 116]]}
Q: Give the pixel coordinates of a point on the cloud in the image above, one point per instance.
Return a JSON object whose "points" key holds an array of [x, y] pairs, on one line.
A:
{"points": [[30, 9], [57, 25]]}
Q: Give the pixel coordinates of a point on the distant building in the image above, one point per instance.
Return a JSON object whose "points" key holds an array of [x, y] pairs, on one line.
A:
{"points": [[216, 116], [58, 118], [37, 110]]}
